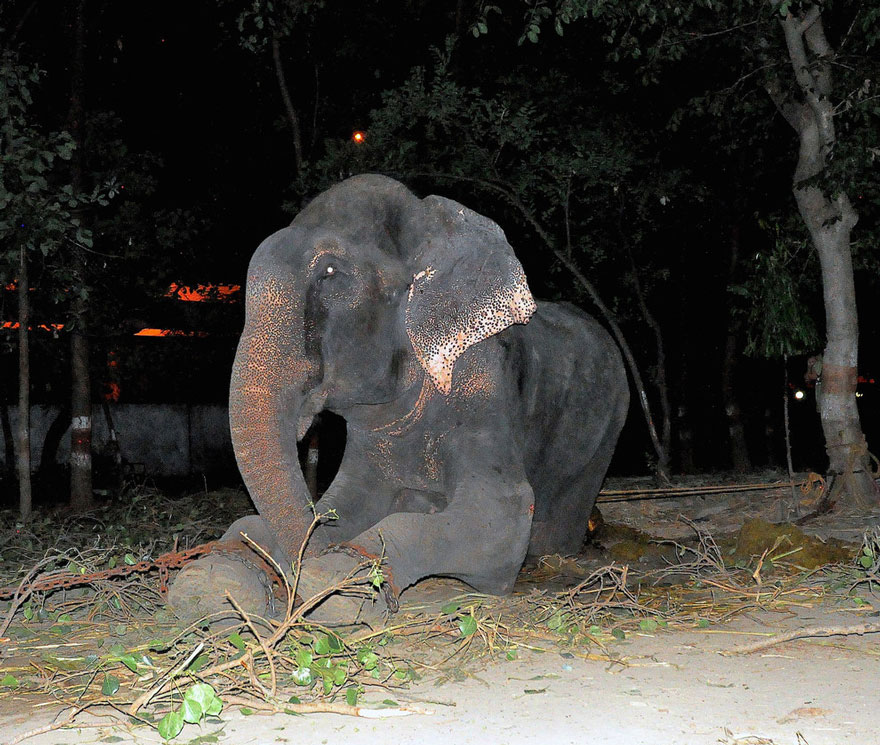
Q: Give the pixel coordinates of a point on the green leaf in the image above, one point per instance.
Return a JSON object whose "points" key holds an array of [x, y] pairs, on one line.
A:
{"points": [[618, 634], [192, 711], [170, 725], [322, 645], [294, 700], [130, 662], [236, 641], [9, 681], [245, 711], [129, 559], [368, 658], [198, 663], [215, 707], [351, 695], [467, 625], [204, 695], [304, 658], [450, 608], [336, 644], [511, 654], [648, 624], [866, 561], [339, 674], [111, 685], [702, 623], [302, 676]]}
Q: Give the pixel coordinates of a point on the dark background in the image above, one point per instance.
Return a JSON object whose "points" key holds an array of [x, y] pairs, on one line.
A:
{"points": [[204, 119]]}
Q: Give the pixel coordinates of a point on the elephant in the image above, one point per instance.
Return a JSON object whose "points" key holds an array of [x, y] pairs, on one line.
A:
{"points": [[480, 423]]}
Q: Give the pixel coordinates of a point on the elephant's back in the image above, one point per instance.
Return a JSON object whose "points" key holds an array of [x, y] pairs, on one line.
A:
{"points": [[564, 353], [573, 391]]}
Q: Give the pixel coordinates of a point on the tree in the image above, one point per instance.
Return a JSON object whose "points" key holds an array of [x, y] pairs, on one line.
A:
{"points": [[825, 93], [80, 378], [37, 219], [823, 202], [268, 24], [778, 325]]}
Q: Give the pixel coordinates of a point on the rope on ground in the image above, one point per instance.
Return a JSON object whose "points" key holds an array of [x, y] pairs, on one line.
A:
{"points": [[626, 495]]}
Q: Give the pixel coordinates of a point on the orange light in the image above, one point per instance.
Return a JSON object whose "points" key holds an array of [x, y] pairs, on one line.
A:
{"points": [[42, 326], [171, 332], [358, 137], [204, 293]]}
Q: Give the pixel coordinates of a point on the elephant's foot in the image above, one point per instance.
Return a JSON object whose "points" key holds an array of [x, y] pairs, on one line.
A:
{"points": [[203, 589], [358, 601]]}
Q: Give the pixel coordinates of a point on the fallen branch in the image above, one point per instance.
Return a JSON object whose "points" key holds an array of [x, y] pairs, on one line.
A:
{"points": [[49, 727], [859, 629], [327, 707]]}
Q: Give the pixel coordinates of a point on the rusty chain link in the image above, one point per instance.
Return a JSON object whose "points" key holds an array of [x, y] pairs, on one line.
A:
{"points": [[62, 580]]}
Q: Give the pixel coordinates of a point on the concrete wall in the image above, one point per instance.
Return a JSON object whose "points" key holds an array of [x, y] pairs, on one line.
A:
{"points": [[163, 439]]}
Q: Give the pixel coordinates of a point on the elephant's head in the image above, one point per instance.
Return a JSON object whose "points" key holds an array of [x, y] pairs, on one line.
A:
{"points": [[368, 290]]}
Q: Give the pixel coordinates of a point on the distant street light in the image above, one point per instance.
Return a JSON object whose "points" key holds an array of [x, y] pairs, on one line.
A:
{"points": [[799, 395], [358, 137]]}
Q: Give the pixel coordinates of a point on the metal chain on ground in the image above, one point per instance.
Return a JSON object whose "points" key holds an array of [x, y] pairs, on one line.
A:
{"points": [[63, 579]]}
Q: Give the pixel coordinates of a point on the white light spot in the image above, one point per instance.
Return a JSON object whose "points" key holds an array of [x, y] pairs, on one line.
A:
{"points": [[331, 269], [799, 395]]}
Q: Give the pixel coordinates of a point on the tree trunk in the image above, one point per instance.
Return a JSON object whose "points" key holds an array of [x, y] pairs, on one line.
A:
{"points": [[292, 117], [830, 219], [660, 351], [23, 459], [736, 438], [8, 442], [49, 451], [116, 451], [80, 383]]}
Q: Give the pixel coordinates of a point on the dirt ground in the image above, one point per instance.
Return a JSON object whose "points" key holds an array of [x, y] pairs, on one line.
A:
{"points": [[667, 686]]}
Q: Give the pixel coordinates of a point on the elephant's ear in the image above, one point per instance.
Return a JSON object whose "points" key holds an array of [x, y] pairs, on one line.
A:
{"points": [[469, 286]]}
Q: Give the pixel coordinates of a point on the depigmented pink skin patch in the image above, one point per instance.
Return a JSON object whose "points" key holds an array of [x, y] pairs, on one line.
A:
{"points": [[509, 304]]}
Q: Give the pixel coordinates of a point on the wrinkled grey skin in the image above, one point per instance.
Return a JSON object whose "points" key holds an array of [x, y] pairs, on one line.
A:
{"points": [[459, 474]]}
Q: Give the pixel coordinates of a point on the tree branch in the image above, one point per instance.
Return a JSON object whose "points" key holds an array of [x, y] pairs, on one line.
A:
{"points": [[292, 117]]}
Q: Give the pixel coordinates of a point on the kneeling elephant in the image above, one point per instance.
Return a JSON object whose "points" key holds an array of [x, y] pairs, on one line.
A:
{"points": [[479, 424]]}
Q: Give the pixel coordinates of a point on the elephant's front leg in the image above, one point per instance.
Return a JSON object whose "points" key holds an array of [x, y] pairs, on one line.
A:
{"points": [[481, 536]]}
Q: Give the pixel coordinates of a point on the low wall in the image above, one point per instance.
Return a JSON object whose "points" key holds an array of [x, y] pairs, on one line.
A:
{"points": [[163, 439]]}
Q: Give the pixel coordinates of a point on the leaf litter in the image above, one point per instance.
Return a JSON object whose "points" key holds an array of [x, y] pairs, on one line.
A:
{"points": [[110, 644]]}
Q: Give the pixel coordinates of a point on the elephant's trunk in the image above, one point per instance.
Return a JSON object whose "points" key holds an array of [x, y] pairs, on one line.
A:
{"points": [[266, 405]]}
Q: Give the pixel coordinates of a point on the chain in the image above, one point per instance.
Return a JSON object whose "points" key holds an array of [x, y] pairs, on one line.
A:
{"points": [[387, 589], [63, 580]]}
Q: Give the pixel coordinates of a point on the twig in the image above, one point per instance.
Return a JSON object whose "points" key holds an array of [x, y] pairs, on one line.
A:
{"points": [[22, 593], [859, 629], [47, 728], [328, 707], [266, 650], [169, 678]]}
